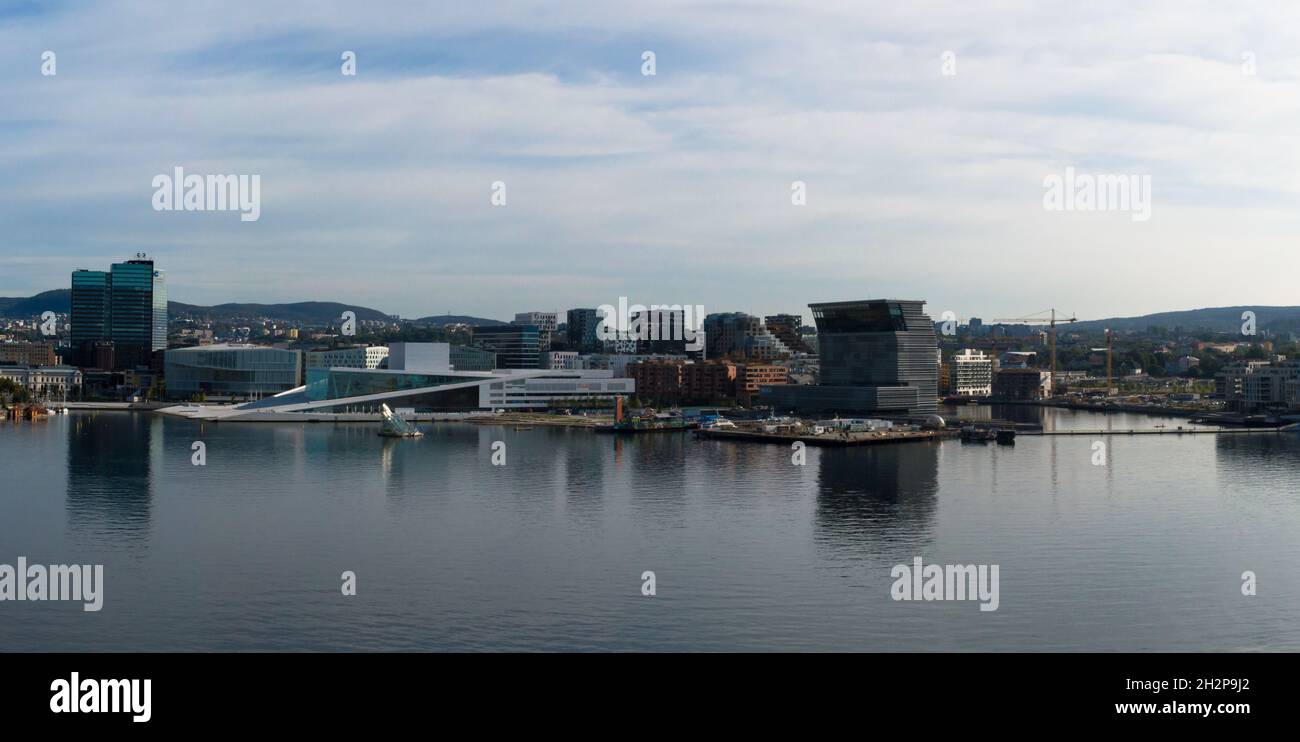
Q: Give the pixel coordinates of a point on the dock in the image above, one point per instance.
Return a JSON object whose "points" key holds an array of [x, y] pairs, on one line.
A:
{"points": [[830, 441], [1160, 431]]}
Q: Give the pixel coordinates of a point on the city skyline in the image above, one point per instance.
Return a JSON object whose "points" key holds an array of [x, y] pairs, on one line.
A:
{"points": [[673, 188]]}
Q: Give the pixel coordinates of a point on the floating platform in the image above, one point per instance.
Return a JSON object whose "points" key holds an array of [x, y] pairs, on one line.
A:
{"points": [[673, 426]]}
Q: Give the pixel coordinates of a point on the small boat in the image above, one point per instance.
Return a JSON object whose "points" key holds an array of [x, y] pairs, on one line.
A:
{"points": [[713, 422], [523, 427], [972, 434], [1006, 436], [395, 427]]}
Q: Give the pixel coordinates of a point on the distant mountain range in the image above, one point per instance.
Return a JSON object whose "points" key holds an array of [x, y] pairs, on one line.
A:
{"points": [[1213, 319], [307, 312]]}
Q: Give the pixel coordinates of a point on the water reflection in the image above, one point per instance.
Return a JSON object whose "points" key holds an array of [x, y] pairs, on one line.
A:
{"points": [[875, 498], [110, 484], [1258, 451]]}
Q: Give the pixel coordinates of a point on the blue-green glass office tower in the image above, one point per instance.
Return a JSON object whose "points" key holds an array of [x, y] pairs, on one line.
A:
{"points": [[127, 305], [91, 313]]}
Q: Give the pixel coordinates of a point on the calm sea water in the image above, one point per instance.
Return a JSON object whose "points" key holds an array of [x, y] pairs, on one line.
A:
{"points": [[547, 552]]}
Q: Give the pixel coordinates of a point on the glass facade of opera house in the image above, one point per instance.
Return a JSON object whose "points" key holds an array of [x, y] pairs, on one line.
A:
{"points": [[237, 371], [339, 383]]}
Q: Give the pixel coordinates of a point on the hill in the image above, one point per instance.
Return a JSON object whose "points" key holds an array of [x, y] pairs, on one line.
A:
{"points": [[58, 301], [457, 319], [307, 312], [1213, 319]]}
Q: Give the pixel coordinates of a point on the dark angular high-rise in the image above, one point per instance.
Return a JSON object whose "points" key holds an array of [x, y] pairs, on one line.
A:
{"points": [[877, 357], [664, 331], [516, 346], [581, 330], [126, 306]]}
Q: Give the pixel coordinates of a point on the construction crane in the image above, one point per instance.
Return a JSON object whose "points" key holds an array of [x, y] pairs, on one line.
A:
{"points": [[1051, 320], [1109, 347]]}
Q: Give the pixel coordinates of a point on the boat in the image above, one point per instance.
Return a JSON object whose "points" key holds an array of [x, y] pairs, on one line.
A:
{"points": [[716, 422], [523, 427], [1006, 436], [395, 427], [972, 434]]}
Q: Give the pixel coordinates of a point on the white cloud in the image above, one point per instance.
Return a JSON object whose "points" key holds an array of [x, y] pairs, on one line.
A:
{"points": [[674, 186]]}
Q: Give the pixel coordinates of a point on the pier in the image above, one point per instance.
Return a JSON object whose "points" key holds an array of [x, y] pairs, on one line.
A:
{"points": [[827, 440], [1159, 431]]}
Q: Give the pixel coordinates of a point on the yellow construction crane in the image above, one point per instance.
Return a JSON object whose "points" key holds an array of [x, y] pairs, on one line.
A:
{"points": [[1038, 319]]}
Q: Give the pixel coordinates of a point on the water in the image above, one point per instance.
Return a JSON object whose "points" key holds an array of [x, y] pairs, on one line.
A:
{"points": [[547, 552]]}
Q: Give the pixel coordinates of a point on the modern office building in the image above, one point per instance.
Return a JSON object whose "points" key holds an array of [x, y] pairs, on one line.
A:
{"points": [[420, 377], [91, 314], [581, 330], [516, 346], [1021, 383], [126, 306], [466, 358], [361, 356], [971, 374], [738, 335], [139, 312], [659, 330], [234, 371], [877, 357], [545, 322]]}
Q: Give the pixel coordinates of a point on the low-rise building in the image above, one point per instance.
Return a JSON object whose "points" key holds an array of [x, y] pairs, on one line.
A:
{"points": [[47, 382], [750, 377], [28, 354], [1255, 387], [679, 381]]}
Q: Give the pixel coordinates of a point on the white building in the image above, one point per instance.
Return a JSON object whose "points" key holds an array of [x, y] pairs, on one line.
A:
{"points": [[360, 356], [1259, 386], [559, 359], [419, 377], [50, 382], [972, 374], [616, 362]]}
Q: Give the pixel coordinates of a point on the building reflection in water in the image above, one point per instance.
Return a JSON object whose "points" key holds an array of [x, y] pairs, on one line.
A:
{"points": [[876, 499], [1239, 453], [111, 458]]}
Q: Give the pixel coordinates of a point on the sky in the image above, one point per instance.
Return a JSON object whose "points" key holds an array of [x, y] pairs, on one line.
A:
{"points": [[924, 134]]}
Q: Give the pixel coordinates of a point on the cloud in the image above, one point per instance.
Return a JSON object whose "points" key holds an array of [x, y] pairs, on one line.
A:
{"points": [[673, 188]]}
